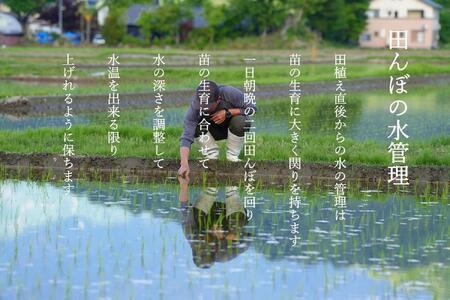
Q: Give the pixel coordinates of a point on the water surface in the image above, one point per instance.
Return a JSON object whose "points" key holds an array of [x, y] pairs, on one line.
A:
{"points": [[120, 241]]}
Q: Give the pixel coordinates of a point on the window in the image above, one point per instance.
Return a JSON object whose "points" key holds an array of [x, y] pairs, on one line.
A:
{"points": [[418, 36], [416, 14], [365, 37], [373, 13]]}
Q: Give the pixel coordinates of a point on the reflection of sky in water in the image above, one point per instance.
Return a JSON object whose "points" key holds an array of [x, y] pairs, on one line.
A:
{"points": [[127, 242], [427, 116]]}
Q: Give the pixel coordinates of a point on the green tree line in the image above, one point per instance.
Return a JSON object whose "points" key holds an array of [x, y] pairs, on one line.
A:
{"points": [[337, 21]]}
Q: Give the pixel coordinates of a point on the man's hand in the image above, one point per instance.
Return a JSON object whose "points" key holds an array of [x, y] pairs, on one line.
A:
{"points": [[219, 116], [183, 197], [183, 171], [183, 180]]}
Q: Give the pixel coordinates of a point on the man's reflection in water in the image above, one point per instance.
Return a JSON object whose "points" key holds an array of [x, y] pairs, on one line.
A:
{"points": [[213, 228]]}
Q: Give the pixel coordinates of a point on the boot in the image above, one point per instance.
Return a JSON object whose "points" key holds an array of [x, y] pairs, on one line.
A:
{"points": [[232, 201], [235, 211], [206, 200], [234, 146], [212, 149]]}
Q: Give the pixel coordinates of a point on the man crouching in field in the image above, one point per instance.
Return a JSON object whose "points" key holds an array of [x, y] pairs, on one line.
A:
{"points": [[225, 112]]}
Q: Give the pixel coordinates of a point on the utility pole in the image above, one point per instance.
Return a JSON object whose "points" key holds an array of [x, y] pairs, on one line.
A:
{"points": [[60, 15]]}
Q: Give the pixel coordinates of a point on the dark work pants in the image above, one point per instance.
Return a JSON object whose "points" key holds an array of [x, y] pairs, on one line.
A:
{"points": [[237, 124]]}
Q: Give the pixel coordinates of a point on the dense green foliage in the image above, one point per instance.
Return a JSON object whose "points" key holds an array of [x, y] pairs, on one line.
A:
{"points": [[341, 21], [444, 18], [115, 28], [24, 8]]}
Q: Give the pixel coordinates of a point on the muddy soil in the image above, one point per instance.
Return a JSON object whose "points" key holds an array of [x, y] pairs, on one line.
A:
{"points": [[268, 173]]}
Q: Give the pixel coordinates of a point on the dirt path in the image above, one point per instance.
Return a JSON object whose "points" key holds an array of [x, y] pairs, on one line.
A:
{"points": [[269, 173], [53, 105]]}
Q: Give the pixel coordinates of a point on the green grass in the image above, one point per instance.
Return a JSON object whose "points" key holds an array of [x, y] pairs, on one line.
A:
{"points": [[182, 76], [46, 62], [317, 115], [137, 141]]}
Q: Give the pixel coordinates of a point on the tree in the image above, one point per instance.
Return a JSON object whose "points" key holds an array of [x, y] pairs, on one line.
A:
{"points": [[25, 8], [444, 34], [444, 19], [71, 15], [114, 29], [87, 13], [296, 12], [356, 19], [252, 18], [340, 21], [236, 18], [164, 22]]}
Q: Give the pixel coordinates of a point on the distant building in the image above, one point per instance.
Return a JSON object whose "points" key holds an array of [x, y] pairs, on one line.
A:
{"points": [[11, 30], [4, 8], [419, 17], [133, 14]]}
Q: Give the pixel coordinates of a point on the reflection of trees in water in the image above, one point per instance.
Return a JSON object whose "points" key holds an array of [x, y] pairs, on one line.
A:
{"points": [[384, 230], [433, 277]]}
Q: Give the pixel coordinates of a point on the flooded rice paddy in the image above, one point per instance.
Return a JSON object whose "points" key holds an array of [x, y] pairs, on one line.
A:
{"points": [[367, 115], [123, 241]]}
